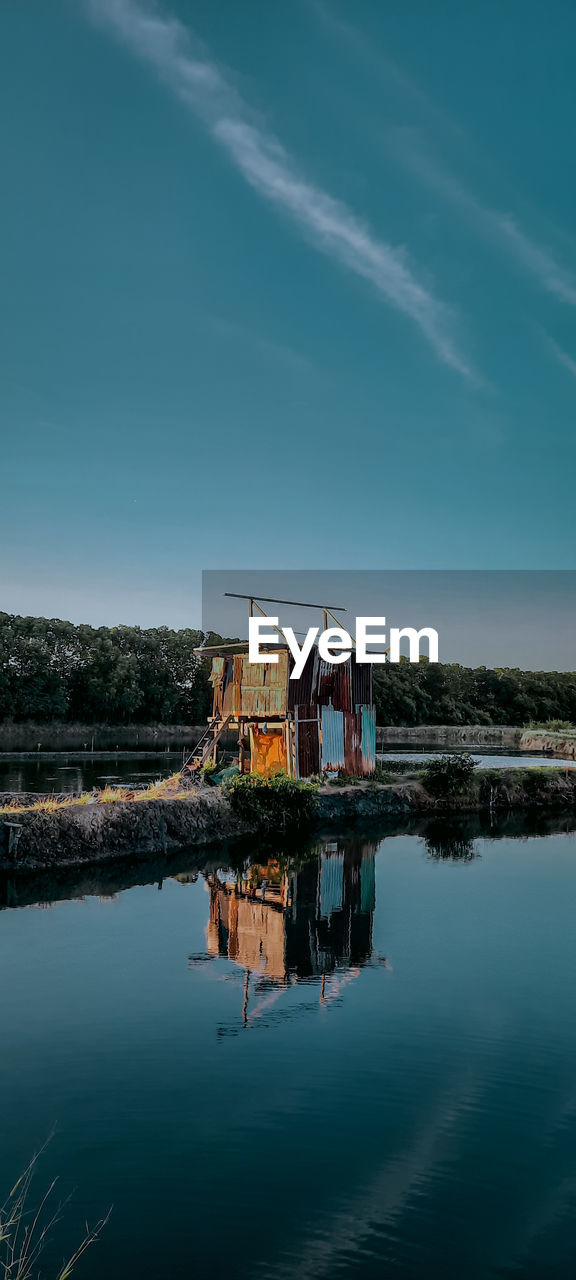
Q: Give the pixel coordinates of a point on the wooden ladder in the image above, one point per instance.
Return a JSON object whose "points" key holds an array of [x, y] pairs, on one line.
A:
{"points": [[211, 736]]}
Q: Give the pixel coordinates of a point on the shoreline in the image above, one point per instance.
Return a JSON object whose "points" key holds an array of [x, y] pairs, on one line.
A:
{"points": [[100, 832], [443, 834]]}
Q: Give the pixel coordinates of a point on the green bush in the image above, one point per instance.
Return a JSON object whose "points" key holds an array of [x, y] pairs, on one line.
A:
{"points": [[537, 781], [447, 776], [277, 802]]}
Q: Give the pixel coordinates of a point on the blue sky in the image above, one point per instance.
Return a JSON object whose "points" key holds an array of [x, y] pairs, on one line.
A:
{"points": [[284, 286]]}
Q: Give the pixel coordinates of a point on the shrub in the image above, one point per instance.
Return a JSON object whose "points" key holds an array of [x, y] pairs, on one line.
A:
{"points": [[382, 773], [277, 802], [446, 776], [537, 781], [400, 766]]}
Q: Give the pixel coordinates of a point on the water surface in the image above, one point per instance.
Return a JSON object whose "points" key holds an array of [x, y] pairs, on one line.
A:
{"points": [[70, 775], [67, 773], [360, 1065], [485, 757]]}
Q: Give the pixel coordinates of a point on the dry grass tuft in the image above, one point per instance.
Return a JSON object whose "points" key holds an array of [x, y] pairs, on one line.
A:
{"points": [[25, 1230], [166, 788], [109, 795]]}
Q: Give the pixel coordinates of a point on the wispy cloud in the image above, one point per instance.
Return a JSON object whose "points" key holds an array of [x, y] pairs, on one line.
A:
{"points": [[537, 259], [278, 352], [502, 228], [392, 79], [561, 355], [181, 62]]}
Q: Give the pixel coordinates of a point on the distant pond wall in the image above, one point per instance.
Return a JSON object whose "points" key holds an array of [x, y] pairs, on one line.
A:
{"points": [[473, 735], [97, 737], [539, 740], [156, 737]]}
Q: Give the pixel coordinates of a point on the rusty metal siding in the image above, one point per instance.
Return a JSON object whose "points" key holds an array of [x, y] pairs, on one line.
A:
{"points": [[368, 717], [346, 685], [325, 682], [361, 683], [307, 741], [342, 695], [332, 739], [334, 685], [250, 689], [303, 692], [352, 742]]}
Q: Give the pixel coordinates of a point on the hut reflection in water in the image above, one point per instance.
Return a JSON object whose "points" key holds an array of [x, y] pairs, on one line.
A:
{"points": [[289, 924]]}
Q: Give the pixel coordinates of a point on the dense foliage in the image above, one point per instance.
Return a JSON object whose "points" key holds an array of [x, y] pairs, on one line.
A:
{"points": [[434, 693], [54, 670]]}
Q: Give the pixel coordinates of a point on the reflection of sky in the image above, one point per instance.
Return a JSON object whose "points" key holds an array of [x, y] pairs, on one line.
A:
{"points": [[484, 760], [490, 618], [420, 1124]]}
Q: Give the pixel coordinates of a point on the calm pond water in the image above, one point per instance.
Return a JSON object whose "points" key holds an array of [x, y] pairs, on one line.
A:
{"points": [[360, 1067], [68, 773], [485, 757]]}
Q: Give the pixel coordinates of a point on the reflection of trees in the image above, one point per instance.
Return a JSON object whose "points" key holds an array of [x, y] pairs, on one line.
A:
{"points": [[449, 839], [59, 884]]}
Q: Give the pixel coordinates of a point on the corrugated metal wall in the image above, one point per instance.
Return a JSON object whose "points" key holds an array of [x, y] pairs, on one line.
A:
{"points": [[251, 689], [333, 756], [353, 742], [302, 692], [368, 715], [361, 683], [307, 739], [346, 685]]}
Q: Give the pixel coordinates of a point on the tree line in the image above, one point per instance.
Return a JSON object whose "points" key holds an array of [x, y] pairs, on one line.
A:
{"points": [[54, 670], [439, 693]]}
